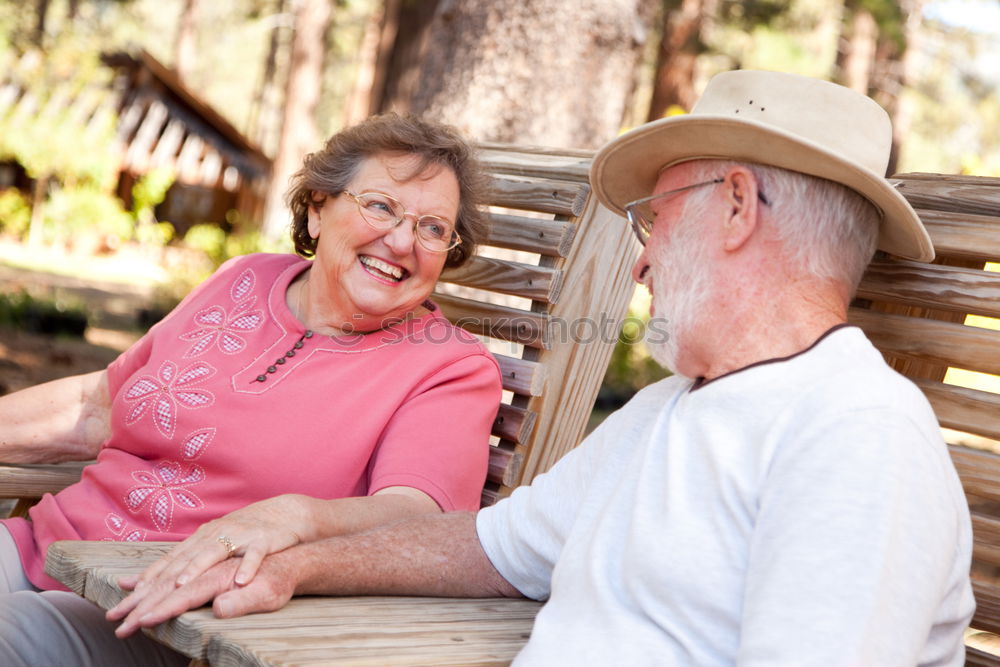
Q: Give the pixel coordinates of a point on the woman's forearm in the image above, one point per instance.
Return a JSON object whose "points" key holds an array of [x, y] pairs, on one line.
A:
{"points": [[341, 516], [62, 420]]}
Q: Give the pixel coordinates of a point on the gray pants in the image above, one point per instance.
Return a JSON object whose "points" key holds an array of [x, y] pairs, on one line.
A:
{"points": [[61, 628]]}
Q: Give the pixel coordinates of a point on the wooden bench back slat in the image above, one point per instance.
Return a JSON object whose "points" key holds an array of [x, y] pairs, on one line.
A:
{"points": [[552, 238], [945, 343], [962, 234], [543, 196], [508, 277], [969, 410], [958, 289], [496, 321]]}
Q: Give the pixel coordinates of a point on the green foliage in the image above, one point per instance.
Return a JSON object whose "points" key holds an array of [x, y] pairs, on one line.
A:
{"points": [[156, 234], [631, 368], [15, 213], [149, 191], [75, 211], [208, 238]]}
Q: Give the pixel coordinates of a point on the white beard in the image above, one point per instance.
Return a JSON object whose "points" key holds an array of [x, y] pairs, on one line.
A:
{"points": [[682, 284]]}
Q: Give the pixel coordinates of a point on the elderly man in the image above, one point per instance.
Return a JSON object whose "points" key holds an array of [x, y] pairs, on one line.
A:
{"points": [[785, 498]]}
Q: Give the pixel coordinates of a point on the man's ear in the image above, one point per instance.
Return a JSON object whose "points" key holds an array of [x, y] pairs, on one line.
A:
{"points": [[740, 187]]}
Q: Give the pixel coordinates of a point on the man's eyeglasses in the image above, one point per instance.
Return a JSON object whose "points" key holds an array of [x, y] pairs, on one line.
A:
{"points": [[641, 215], [384, 212]]}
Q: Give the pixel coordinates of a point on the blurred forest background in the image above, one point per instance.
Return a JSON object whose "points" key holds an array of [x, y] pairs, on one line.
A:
{"points": [[142, 142]]}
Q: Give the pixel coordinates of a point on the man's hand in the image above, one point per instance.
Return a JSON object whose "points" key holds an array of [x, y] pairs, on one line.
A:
{"points": [[152, 604]]}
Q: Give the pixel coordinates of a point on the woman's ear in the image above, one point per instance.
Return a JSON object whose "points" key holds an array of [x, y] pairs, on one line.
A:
{"points": [[314, 215], [740, 187]]}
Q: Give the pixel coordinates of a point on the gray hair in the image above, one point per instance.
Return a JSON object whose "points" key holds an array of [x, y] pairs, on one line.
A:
{"points": [[828, 230]]}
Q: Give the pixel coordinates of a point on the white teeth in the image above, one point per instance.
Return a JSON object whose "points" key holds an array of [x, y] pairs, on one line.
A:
{"points": [[379, 265]]}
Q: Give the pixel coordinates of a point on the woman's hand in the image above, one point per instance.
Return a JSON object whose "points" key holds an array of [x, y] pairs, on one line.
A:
{"points": [[252, 532]]}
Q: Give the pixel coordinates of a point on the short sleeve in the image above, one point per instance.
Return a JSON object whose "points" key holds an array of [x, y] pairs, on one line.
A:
{"points": [[438, 439], [524, 535]]}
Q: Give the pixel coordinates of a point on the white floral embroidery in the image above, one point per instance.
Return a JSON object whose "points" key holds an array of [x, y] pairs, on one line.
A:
{"points": [[120, 528], [195, 444], [223, 329], [160, 396], [163, 489]]}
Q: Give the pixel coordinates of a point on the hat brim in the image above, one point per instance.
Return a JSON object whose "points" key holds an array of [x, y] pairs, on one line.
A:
{"points": [[627, 169]]}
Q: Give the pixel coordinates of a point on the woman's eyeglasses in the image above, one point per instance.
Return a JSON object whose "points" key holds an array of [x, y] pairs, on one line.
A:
{"points": [[384, 212]]}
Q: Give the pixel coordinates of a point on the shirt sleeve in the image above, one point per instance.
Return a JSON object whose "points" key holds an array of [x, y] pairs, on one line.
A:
{"points": [[524, 535], [856, 543], [438, 439]]}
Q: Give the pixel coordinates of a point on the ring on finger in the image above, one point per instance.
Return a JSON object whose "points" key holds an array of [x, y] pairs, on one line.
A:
{"points": [[228, 543]]}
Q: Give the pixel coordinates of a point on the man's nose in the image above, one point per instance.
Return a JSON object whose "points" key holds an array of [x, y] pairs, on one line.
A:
{"points": [[641, 268]]}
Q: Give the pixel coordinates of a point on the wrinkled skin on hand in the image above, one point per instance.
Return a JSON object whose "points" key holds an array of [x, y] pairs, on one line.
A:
{"points": [[154, 603]]}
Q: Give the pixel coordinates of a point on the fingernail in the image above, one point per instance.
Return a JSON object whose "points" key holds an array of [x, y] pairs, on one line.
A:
{"points": [[183, 579]]}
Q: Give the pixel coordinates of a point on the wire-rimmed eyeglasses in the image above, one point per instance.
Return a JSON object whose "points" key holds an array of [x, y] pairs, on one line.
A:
{"points": [[385, 212], [641, 215]]}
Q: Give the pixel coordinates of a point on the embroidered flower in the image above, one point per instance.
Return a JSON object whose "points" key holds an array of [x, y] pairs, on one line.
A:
{"points": [[223, 329], [195, 444], [243, 285], [161, 395], [164, 489], [119, 527]]}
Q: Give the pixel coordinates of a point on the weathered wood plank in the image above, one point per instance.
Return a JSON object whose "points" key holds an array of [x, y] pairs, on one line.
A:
{"points": [[523, 377], [987, 616], [401, 631], [938, 342], [949, 288], [514, 424], [504, 465], [941, 192], [508, 277], [986, 534], [536, 162], [35, 480], [560, 198], [552, 238], [978, 470], [501, 322], [964, 235]]}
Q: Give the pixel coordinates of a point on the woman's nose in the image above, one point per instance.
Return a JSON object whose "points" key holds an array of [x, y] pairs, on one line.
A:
{"points": [[401, 238]]}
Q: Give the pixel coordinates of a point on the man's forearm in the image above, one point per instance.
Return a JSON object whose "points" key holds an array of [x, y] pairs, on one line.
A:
{"points": [[435, 554]]}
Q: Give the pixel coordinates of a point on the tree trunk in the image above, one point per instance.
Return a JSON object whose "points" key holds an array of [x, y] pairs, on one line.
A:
{"points": [[41, 13], [895, 70], [680, 46], [186, 44], [261, 118], [402, 52], [551, 72], [856, 47], [299, 134]]}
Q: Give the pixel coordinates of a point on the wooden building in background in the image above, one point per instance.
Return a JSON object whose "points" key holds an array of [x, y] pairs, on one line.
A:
{"points": [[162, 123]]}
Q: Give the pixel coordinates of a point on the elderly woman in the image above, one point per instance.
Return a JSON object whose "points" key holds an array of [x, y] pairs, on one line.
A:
{"points": [[284, 400]]}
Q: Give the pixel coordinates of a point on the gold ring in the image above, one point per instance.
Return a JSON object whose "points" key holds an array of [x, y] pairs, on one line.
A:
{"points": [[228, 543]]}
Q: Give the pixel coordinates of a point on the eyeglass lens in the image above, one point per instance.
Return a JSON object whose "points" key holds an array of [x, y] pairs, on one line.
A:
{"points": [[385, 212]]}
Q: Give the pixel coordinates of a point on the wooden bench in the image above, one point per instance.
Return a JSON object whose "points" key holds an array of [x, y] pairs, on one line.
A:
{"points": [[916, 313]]}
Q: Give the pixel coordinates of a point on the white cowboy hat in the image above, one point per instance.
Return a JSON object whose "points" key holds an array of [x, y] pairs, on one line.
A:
{"points": [[794, 122]]}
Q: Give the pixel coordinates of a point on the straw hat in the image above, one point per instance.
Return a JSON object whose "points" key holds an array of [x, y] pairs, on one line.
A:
{"points": [[784, 120]]}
